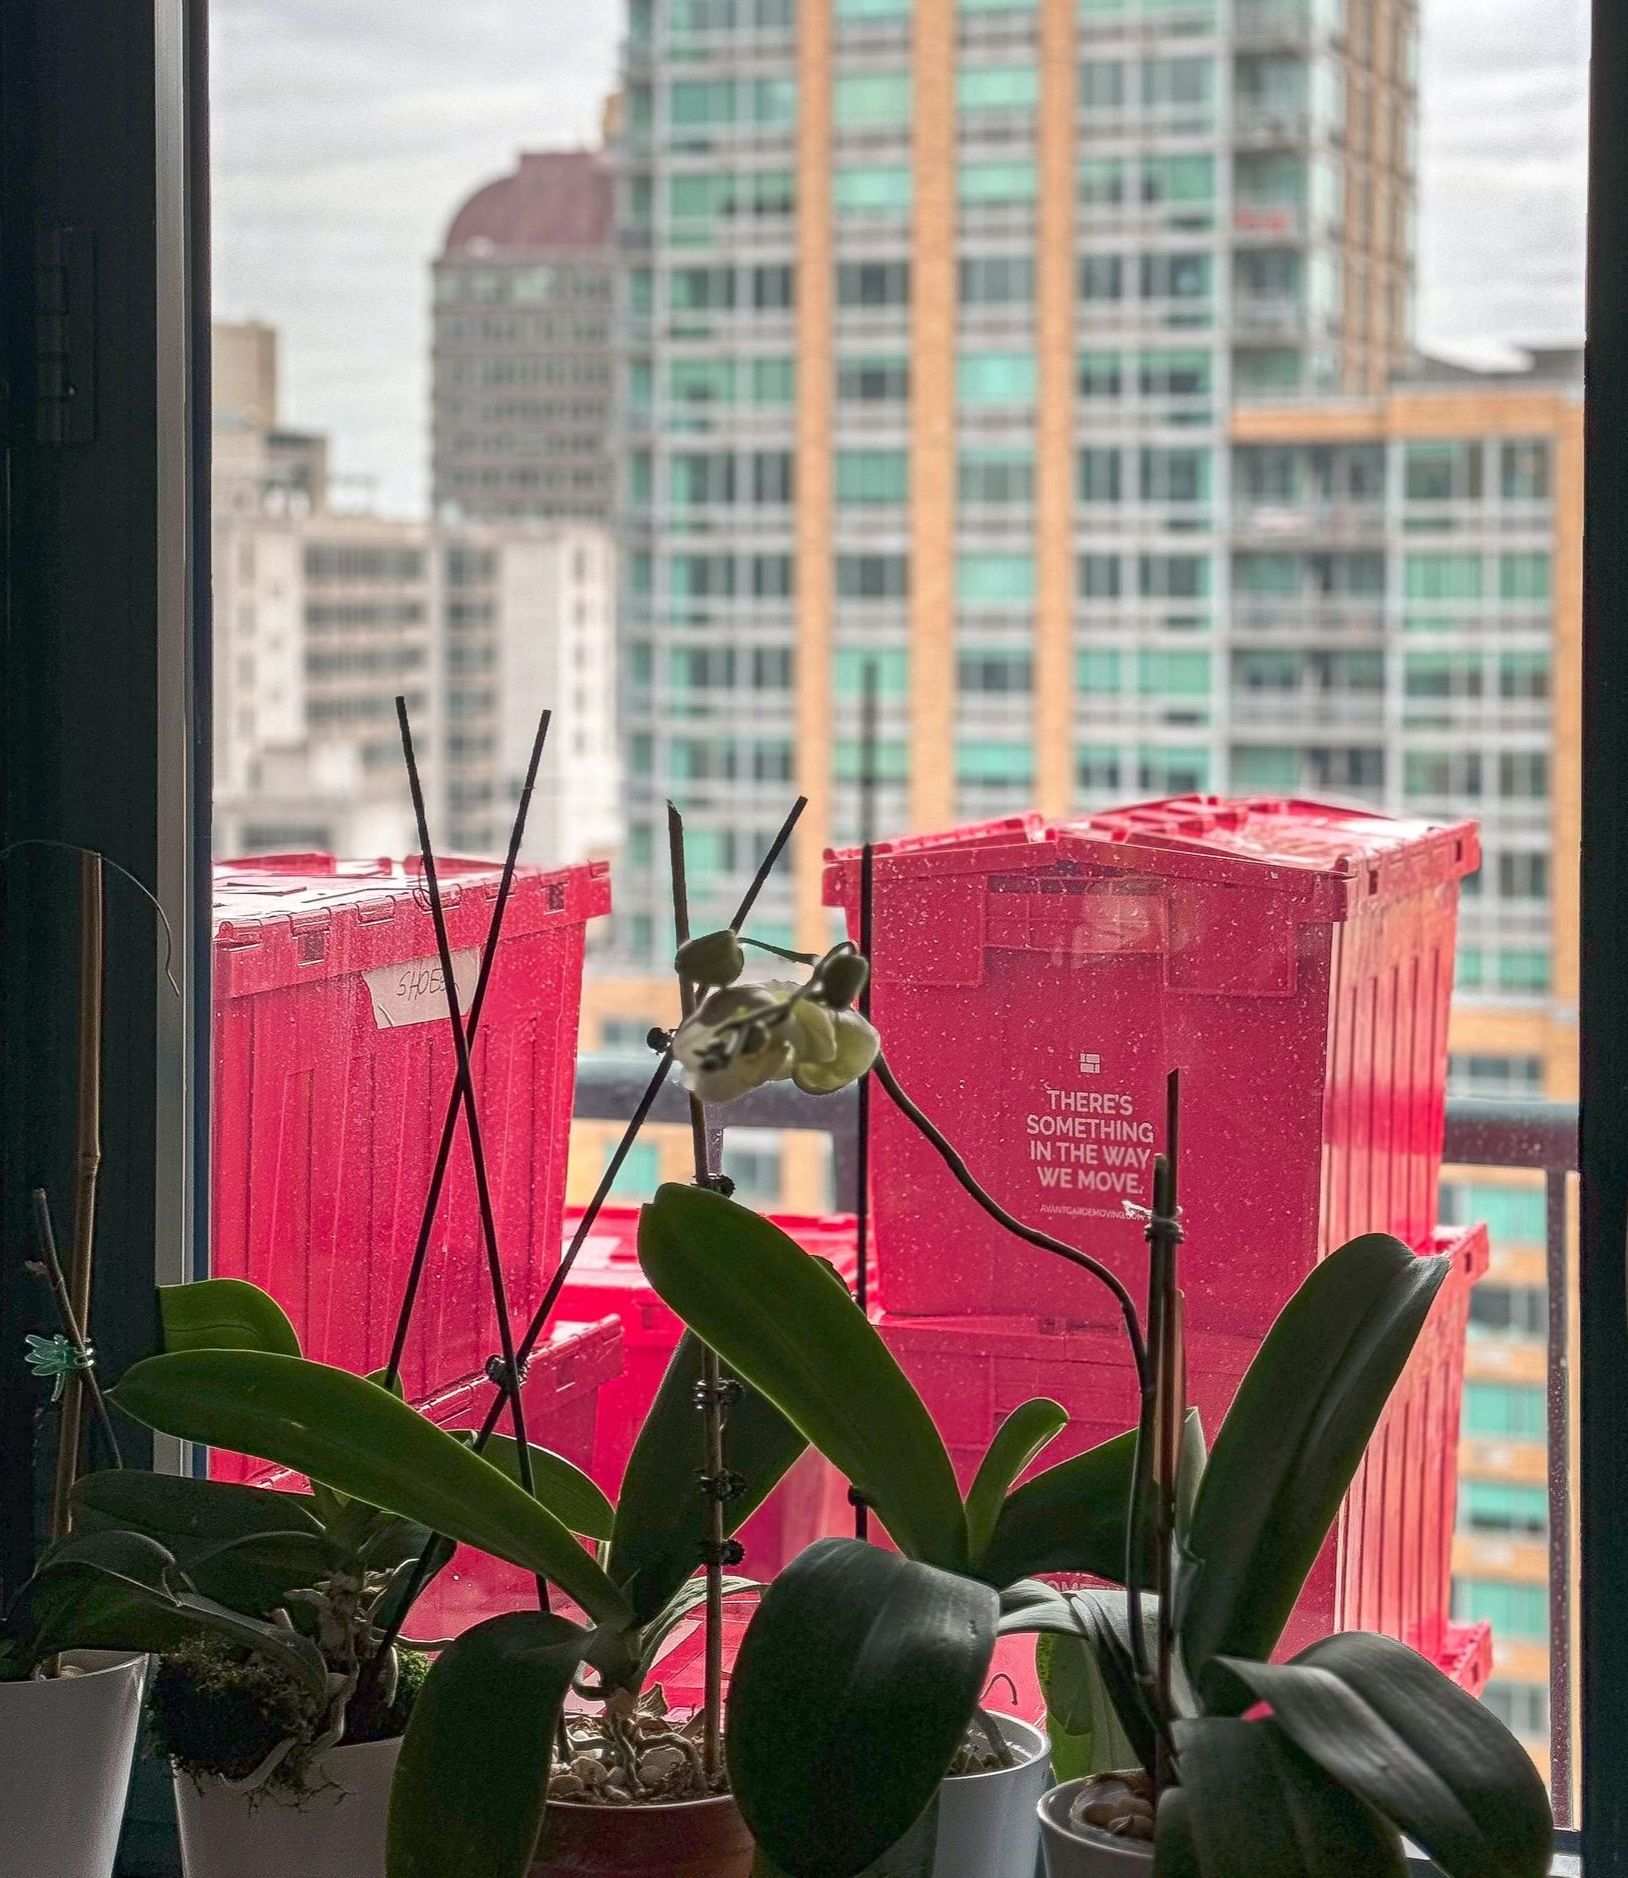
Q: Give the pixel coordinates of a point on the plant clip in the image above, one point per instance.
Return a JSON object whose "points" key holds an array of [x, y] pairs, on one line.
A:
{"points": [[722, 1553], [498, 1373], [857, 1496], [659, 1040], [726, 1393], [718, 1183], [724, 1486], [59, 1358]]}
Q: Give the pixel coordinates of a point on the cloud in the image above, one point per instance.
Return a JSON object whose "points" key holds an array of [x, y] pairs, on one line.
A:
{"points": [[346, 132]]}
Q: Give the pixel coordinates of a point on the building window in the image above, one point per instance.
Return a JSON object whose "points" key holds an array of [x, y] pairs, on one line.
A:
{"points": [[873, 283], [873, 189], [752, 1159], [996, 280], [983, 378], [1523, 1707], [873, 576], [985, 184], [866, 477], [1098, 577], [773, 287], [640, 1172], [866, 380], [869, 98], [994, 765], [997, 88], [1097, 769], [1523, 775], [1097, 672], [774, 381], [994, 579], [1176, 276], [892, 760], [1514, 1215], [1102, 277], [1442, 472], [995, 672], [891, 665], [1443, 576], [1173, 772], [1098, 471], [1524, 971], [1524, 471], [1508, 1411], [1502, 1506], [1173, 674], [1519, 1612], [1523, 576], [1102, 85], [995, 476], [1508, 1310]]}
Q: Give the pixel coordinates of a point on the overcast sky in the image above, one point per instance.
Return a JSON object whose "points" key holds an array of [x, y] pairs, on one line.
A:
{"points": [[347, 131]]}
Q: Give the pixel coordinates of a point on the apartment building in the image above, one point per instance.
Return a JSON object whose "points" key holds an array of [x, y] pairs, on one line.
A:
{"points": [[521, 366], [324, 615]]}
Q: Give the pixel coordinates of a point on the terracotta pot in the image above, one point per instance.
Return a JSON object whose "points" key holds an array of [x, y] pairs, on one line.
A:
{"points": [[1083, 1853], [698, 1839], [66, 1744], [337, 1831]]}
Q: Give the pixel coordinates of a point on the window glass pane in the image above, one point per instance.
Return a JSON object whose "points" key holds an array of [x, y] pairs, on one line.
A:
{"points": [[872, 98], [872, 190], [991, 184], [994, 579], [995, 378], [997, 88], [865, 476]]}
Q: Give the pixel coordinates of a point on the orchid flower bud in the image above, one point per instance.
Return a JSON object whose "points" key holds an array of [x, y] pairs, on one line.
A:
{"points": [[715, 958], [843, 978]]}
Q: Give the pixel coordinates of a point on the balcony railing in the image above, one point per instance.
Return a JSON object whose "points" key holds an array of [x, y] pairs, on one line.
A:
{"points": [[1533, 1137]]}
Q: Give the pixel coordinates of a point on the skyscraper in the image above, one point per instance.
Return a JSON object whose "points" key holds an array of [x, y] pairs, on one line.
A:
{"points": [[521, 368], [937, 314]]}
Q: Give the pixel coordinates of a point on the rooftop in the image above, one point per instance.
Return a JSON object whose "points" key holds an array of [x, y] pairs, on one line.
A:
{"points": [[555, 199]]}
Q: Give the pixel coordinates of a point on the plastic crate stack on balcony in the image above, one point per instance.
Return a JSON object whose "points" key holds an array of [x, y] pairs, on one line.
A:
{"points": [[1034, 982]]}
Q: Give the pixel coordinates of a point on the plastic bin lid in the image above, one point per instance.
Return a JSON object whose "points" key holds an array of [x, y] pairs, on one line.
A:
{"points": [[289, 887], [1333, 854]]}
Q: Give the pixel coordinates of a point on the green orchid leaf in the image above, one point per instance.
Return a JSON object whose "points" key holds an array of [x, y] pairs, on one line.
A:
{"points": [[660, 1520], [1380, 1720], [853, 1689], [1028, 1430], [117, 1591], [1097, 1656], [257, 1574], [472, 1781], [1291, 1443], [1175, 1851], [684, 1602], [187, 1516], [1087, 1736], [366, 1443], [1256, 1804], [778, 1321], [224, 1314], [1071, 1518], [573, 1498]]}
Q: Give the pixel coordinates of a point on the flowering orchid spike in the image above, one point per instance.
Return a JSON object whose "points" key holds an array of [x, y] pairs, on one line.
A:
{"points": [[59, 1359], [746, 1035]]}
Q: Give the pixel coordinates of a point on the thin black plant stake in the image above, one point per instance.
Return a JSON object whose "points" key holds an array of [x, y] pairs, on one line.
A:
{"points": [[710, 1395], [867, 897], [630, 1134], [511, 1377], [449, 1126]]}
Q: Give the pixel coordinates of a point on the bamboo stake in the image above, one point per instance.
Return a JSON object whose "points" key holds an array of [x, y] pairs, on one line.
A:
{"points": [[87, 1171]]}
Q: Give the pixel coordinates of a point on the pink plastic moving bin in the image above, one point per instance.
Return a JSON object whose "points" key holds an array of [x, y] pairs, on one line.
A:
{"points": [[1293, 960], [1389, 1566], [333, 1063], [606, 1280], [564, 1381]]}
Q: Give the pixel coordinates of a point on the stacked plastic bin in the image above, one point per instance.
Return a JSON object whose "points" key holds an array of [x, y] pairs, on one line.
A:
{"points": [[606, 1280], [333, 1063], [1034, 983]]}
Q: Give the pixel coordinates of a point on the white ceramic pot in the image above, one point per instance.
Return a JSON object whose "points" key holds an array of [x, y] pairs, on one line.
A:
{"points": [[987, 1826], [337, 1831], [1069, 1854], [66, 1744]]}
